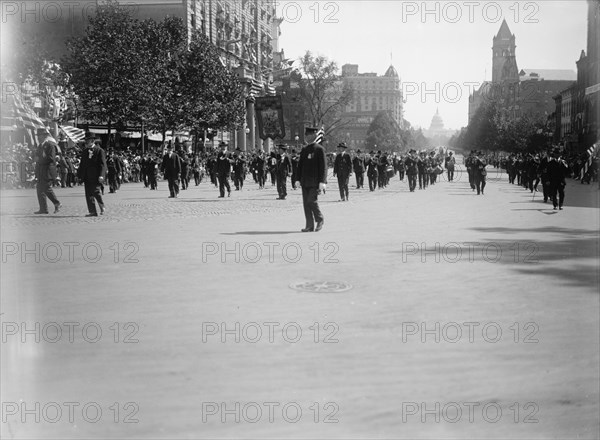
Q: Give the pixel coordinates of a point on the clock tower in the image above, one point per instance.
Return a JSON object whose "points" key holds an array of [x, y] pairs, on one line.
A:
{"points": [[504, 61]]}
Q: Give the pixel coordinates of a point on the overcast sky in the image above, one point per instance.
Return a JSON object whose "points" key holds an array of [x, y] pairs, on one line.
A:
{"points": [[445, 48]]}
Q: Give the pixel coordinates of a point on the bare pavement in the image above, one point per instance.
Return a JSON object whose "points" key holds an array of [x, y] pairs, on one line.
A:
{"points": [[434, 314]]}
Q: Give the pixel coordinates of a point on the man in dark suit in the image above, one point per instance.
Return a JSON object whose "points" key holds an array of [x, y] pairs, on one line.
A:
{"points": [[312, 177], [171, 168], [283, 170], [342, 168], [223, 170], [556, 171], [412, 168], [479, 172], [91, 171], [358, 164], [45, 170]]}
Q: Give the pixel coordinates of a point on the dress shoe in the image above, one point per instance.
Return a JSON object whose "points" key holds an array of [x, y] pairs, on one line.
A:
{"points": [[319, 225], [102, 210], [560, 208], [92, 215], [41, 212], [220, 197], [57, 207], [307, 230]]}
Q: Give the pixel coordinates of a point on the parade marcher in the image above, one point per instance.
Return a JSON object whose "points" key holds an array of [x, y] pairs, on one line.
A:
{"points": [[259, 165], [185, 171], [152, 167], [401, 168], [382, 164], [342, 168], [113, 165], [557, 170], [295, 158], [272, 167], [196, 164], [411, 164], [450, 162], [171, 169], [470, 166], [358, 165], [223, 169], [422, 169], [284, 168], [479, 172], [63, 169], [91, 171], [239, 170], [45, 171], [372, 171], [312, 177]]}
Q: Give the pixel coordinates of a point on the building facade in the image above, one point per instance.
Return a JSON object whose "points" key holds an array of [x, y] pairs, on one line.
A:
{"points": [[244, 31], [371, 94], [577, 108], [519, 92]]}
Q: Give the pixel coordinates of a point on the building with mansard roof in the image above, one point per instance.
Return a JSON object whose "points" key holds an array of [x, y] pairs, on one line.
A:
{"points": [[371, 94]]}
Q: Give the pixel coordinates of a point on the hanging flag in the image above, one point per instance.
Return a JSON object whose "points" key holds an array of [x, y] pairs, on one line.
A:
{"points": [[74, 133], [29, 118], [255, 88], [588, 163], [270, 90], [320, 135]]}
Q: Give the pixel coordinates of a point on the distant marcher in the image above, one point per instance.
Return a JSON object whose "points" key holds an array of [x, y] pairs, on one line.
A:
{"points": [[91, 171], [45, 171]]}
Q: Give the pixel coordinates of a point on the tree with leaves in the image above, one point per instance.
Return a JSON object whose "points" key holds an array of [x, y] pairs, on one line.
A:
{"points": [[104, 65], [324, 93], [384, 133]]}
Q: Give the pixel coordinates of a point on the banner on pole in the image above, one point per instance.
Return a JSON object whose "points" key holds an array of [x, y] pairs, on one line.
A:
{"points": [[269, 112]]}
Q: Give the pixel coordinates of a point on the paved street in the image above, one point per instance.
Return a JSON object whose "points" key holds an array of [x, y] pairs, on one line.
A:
{"points": [[458, 316]]}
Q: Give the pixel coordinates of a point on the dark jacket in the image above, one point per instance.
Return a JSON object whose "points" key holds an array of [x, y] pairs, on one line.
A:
{"points": [[45, 167], [312, 166], [342, 165], [171, 166], [93, 165], [223, 164]]}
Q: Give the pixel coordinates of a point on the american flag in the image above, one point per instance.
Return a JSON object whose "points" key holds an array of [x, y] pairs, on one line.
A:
{"points": [[30, 119], [74, 133], [320, 135], [255, 88], [270, 90], [588, 163]]}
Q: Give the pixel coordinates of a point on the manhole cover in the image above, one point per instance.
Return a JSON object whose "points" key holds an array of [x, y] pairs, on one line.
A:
{"points": [[321, 286]]}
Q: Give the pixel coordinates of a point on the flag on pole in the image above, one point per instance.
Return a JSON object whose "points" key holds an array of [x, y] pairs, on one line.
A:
{"points": [[320, 135], [255, 88], [74, 133], [28, 117], [588, 163]]}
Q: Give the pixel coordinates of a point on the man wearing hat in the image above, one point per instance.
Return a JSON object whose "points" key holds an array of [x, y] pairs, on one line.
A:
{"points": [[411, 165], [91, 171], [372, 172], [283, 168], [479, 172], [312, 176], [45, 170], [556, 172], [358, 164], [470, 166], [223, 168], [450, 162], [342, 168], [171, 168]]}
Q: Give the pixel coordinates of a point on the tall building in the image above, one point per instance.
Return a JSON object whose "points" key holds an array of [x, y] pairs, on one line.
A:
{"points": [[519, 92], [504, 60], [577, 114], [245, 31], [371, 95]]}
